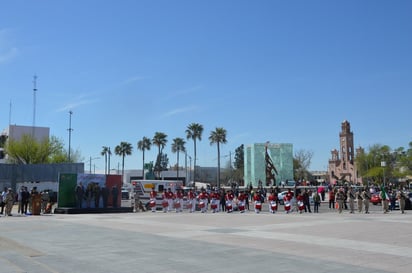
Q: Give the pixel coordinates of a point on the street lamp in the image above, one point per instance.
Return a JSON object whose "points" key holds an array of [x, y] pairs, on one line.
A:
{"points": [[383, 165], [90, 163]]}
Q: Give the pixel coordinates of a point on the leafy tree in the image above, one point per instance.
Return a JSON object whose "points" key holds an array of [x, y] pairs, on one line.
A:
{"points": [[144, 145], [239, 163], [28, 150], [123, 149], [194, 132], [160, 140], [177, 147], [217, 137]]}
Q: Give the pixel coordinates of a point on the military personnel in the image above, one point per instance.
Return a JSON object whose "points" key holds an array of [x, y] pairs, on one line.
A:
{"points": [[401, 197], [340, 197], [9, 200], [366, 197], [359, 199], [352, 196]]}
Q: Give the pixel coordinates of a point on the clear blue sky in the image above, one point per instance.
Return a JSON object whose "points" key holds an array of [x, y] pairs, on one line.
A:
{"points": [[278, 71]]}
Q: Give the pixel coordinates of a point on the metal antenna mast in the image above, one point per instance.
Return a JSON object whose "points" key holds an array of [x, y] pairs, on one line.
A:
{"points": [[34, 103], [70, 132]]}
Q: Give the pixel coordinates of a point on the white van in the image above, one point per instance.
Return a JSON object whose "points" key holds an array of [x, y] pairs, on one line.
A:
{"points": [[144, 187]]}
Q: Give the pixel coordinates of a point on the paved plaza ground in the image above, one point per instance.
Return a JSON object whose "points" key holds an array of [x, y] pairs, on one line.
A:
{"points": [[222, 242]]}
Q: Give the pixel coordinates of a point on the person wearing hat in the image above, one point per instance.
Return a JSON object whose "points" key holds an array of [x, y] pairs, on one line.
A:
{"points": [[229, 201], [9, 201], [169, 197], [366, 194], [191, 200], [203, 198], [152, 195], [340, 197]]}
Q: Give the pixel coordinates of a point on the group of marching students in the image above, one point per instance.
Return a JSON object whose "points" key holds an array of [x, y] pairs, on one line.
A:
{"points": [[221, 200]]}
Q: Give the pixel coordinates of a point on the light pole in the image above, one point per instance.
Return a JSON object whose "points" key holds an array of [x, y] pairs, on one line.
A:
{"points": [[90, 163], [383, 165]]}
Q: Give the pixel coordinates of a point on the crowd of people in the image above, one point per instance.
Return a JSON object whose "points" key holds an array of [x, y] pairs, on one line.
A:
{"points": [[24, 199], [295, 199]]}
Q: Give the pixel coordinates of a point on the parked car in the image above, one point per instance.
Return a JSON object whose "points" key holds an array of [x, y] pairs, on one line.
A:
{"points": [[376, 199]]}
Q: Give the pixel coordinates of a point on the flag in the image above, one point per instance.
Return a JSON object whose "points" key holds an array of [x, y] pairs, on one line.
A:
{"points": [[384, 194]]}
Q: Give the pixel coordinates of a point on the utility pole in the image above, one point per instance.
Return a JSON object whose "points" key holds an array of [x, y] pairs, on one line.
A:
{"points": [[70, 132], [34, 104]]}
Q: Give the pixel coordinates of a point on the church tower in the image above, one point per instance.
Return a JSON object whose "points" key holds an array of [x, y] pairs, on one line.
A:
{"points": [[346, 146], [342, 164]]}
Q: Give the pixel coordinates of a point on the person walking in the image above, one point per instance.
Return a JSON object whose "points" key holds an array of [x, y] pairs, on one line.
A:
{"points": [[340, 198], [366, 198], [401, 197], [385, 199]]}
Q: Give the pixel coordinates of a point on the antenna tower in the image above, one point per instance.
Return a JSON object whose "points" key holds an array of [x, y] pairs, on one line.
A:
{"points": [[34, 103]]}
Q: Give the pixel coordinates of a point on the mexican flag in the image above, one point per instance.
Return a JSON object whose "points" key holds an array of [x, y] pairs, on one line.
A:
{"points": [[384, 194]]}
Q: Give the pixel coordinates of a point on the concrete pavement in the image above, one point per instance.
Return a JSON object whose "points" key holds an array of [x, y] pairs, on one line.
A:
{"points": [[222, 242]]}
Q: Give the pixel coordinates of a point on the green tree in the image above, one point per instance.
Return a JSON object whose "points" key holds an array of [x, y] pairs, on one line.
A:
{"points": [[106, 153], [217, 137], [239, 163], [178, 146], [123, 149], [144, 145], [160, 140], [28, 150], [194, 132]]}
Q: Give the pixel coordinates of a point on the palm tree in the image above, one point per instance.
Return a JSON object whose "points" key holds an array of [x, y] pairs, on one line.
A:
{"points": [[178, 146], [123, 149], [218, 136], [106, 152], [160, 140], [144, 145], [194, 131]]}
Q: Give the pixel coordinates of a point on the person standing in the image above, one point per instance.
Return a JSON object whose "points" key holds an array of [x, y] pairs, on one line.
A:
{"points": [[229, 201], [203, 200], [9, 200], [366, 198], [306, 200], [20, 200], [152, 201], [352, 196], [178, 202], [316, 201], [332, 198], [3, 200], [273, 202], [257, 201], [191, 196]]}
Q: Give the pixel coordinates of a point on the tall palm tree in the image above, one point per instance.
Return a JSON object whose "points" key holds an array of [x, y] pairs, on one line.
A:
{"points": [[123, 149], [194, 131], [160, 140], [144, 145], [178, 146], [218, 136], [106, 153]]}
